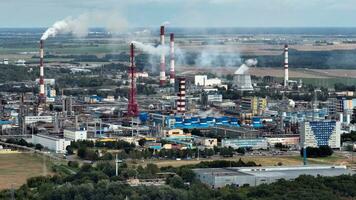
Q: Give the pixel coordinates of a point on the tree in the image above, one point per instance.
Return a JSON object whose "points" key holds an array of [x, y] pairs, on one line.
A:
{"points": [[176, 182], [39, 147]]}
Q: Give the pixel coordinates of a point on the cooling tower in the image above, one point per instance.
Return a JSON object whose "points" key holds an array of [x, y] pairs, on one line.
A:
{"points": [[243, 82]]}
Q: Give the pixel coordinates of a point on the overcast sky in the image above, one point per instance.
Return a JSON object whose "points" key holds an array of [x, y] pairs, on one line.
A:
{"points": [[186, 13]]}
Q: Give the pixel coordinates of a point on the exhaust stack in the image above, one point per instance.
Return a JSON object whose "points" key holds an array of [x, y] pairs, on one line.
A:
{"points": [[181, 96], [132, 109], [286, 75], [162, 74], [42, 96], [172, 70]]}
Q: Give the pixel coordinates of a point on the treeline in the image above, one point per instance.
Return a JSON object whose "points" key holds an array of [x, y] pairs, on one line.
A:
{"points": [[349, 137], [99, 183], [317, 152], [24, 143]]}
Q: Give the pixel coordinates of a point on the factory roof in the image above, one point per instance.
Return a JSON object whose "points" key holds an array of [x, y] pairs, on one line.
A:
{"points": [[292, 171]]}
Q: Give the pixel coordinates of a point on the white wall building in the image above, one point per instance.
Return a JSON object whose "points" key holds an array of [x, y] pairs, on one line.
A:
{"points": [[52, 143], [202, 80], [75, 135], [320, 133]]}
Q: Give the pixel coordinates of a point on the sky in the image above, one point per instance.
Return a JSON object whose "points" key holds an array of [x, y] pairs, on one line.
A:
{"points": [[185, 13]]}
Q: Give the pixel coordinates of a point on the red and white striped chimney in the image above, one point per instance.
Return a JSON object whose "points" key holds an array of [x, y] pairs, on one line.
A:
{"points": [[181, 95], [162, 74], [286, 75], [172, 70], [42, 96]]}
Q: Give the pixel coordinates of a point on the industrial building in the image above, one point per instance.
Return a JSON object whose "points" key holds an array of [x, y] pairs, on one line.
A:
{"points": [[242, 82], [204, 81], [52, 143], [253, 176], [253, 143], [320, 133], [254, 105], [75, 134]]}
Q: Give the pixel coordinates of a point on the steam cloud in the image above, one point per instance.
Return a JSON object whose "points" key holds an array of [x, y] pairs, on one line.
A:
{"points": [[245, 67], [79, 26], [151, 49], [76, 26]]}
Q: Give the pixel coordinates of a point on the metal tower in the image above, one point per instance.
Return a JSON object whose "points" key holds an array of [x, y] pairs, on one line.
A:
{"points": [[132, 106]]}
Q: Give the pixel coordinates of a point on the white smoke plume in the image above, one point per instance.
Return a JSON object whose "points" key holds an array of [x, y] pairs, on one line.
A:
{"points": [[76, 26], [151, 49], [79, 26], [245, 67], [210, 57], [166, 23]]}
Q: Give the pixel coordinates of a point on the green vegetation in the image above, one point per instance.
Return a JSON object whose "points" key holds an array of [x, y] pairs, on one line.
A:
{"points": [[349, 137], [100, 182], [317, 152]]}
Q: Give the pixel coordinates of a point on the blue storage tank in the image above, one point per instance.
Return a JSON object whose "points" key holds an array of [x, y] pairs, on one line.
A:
{"points": [[203, 120], [179, 120], [210, 119], [187, 122], [234, 120], [195, 120], [143, 116], [225, 119]]}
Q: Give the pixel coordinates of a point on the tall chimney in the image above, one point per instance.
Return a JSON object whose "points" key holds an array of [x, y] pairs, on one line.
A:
{"points": [[181, 95], [132, 109], [286, 75], [42, 96], [172, 70], [162, 74]]}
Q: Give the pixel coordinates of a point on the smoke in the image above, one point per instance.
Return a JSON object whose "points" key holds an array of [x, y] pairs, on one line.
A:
{"points": [[166, 23], [76, 26], [245, 67], [210, 57], [150, 49], [79, 26]]}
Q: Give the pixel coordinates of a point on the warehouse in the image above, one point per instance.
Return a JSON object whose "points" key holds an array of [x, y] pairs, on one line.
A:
{"points": [[253, 176]]}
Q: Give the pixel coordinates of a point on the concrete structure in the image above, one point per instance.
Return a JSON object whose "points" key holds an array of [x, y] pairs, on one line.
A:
{"points": [[254, 105], [242, 82], [181, 101], [254, 143], [172, 63], [202, 80], [42, 97], [162, 73], [288, 141], [320, 133], [253, 176], [206, 142], [75, 134], [52, 143], [35, 119], [286, 74]]}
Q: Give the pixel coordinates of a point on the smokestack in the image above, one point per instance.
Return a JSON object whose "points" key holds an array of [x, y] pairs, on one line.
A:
{"points": [[162, 74], [172, 70], [41, 83], [132, 106], [286, 75], [181, 96]]}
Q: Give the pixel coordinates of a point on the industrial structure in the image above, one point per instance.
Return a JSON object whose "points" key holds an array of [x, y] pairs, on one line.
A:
{"points": [[320, 133], [181, 101], [172, 63], [162, 74], [286, 73], [132, 109], [42, 96], [253, 176]]}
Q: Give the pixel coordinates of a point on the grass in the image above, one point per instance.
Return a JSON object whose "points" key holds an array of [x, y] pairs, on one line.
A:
{"points": [[263, 160], [15, 169]]}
